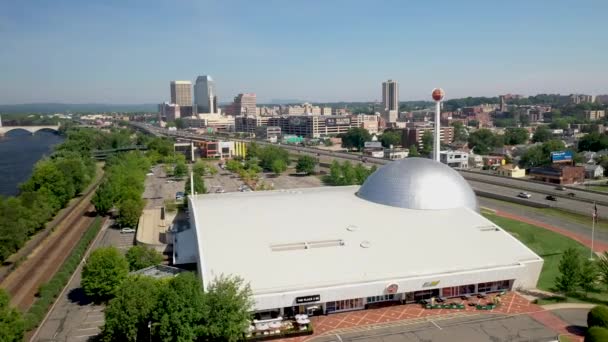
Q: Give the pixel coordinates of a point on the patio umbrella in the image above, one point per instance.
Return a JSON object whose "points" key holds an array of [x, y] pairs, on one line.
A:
{"points": [[303, 321]]}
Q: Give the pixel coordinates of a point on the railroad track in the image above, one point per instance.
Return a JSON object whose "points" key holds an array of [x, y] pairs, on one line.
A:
{"points": [[23, 283]]}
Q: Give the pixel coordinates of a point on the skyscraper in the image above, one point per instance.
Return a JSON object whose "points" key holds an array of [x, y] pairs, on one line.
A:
{"points": [[244, 104], [205, 98], [181, 93], [390, 100]]}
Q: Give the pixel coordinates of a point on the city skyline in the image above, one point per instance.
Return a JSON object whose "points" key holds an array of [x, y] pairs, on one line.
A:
{"points": [[340, 52]]}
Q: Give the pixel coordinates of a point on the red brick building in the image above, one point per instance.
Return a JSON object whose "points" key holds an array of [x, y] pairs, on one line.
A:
{"points": [[558, 174]]}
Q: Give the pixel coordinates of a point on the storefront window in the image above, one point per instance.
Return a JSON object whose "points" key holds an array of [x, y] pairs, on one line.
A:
{"points": [[344, 305]]}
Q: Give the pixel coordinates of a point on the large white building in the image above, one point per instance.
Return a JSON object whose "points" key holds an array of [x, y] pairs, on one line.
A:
{"points": [[410, 232]]}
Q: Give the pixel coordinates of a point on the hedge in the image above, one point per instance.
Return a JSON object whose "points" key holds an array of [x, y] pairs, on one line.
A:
{"points": [[596, 334], [48, 292], [598, 316]]}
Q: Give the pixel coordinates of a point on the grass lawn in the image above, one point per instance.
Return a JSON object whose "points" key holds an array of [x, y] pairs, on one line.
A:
{"points": [[602, 188], [583, 220], [547, 244]]}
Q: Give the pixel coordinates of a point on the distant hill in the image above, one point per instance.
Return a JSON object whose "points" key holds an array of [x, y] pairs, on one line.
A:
{"points": [[285, 101], [49, 108]]}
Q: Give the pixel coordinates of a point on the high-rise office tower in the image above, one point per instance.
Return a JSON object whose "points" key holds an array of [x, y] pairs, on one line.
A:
{"points": [[205, 98], [244, 104], [181, 93], [390, 100]]}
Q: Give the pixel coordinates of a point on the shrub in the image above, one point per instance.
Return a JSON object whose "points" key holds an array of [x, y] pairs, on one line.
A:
{"points": [[49, 291], [596, 334], [598, 317]]}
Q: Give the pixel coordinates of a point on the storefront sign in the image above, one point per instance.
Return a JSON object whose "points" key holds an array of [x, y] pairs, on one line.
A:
{"points": [[431, 283], [308, 299], [392, 288]]}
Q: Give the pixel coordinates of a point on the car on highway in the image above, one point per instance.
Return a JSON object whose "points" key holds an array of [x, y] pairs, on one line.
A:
{"points": [[127, 230], [524, 195], [551, 198], [571, 194], [561, 187], [179, 195]]}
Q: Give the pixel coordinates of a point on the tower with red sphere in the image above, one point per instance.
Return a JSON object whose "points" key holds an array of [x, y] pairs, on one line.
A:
{"points": [[438, 95]]}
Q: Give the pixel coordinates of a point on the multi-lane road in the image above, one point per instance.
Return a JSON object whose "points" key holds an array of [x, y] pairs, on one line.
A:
{"points": [[571, 199]]}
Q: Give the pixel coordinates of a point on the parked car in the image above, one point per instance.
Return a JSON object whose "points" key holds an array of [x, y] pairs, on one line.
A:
{"points": [[524, 195], [561, 187], [127, 230], [179, 195], [220, 191], [571, 194], [551, 198]]}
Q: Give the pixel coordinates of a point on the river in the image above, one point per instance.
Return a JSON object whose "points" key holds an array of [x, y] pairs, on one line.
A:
{"points": [[19, 151]]}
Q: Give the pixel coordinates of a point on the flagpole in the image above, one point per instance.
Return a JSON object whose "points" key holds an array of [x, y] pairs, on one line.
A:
{"points": [[593, 229]]}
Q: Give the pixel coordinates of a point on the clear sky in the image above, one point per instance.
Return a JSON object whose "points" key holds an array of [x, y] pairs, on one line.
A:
{"points": [[127, 51]]}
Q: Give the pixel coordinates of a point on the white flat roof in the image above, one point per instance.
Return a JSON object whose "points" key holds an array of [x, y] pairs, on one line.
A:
{"points": [[261, 236]]}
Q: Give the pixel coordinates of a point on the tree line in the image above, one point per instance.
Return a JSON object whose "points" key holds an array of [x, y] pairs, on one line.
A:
{"points": [[54, 182], [141, 308]]}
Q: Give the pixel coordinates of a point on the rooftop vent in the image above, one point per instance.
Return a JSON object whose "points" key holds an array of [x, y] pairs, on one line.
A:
{"points": [[488, 228], [365, 244], [306, 245], [352, 228]]}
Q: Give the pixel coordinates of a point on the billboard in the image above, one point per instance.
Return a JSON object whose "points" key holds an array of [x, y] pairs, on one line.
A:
{"points": [[337, 121], [561, 156], [371, 144]]}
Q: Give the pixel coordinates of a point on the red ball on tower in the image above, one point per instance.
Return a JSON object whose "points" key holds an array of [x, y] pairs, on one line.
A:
{"points": [[438, 94]]}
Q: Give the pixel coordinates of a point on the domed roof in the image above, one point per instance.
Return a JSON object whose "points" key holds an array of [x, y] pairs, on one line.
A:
{"points": [[418, 183]]}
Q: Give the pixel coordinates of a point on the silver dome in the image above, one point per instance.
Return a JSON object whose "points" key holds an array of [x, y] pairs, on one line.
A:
{"points": [[418, 183]]}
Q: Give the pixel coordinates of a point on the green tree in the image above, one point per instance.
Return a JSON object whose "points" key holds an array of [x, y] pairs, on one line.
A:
{"points": [[278, 166], [179, 123], [483, 141], [541, 134], [140, 257], [229, 305], [199, 185], [306, 164], [200, 168], [335, 173], [516, 136], [589, 275], [413, 151], [427, 143], [355, 138], [269, 154], [390, 138], [180, 170], [598, 317], [593, 142], [181, 312], [540, 155], [12, 326], [602, 265], [129, 211], [559, 124], [103, 200], [596, 334], [460, 132], [569, 268], [104, 271], [129, 312]]}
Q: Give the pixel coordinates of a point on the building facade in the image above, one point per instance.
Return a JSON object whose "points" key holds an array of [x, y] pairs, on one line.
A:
{"points": [[169, 112], [315, 126], [457, 159], [558, 175], [594, 115], [244, 104], [181, 93], [413, 135], [390, 100], [205, 97]]}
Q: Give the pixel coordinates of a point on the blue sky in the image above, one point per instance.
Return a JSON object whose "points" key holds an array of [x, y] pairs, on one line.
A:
{"points": [[127, 51]]}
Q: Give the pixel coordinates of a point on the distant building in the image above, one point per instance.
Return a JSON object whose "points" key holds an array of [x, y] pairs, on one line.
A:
{"points": [[211, 122], [390, 100], [169, 112], [315, 126], [593, 171], [558, 175], [510, 170], [413, 135], [205, 97], [457, 159], [580, 98], [244, 104], [602, 99], [396, 153], [594, 115], [249, 124], [181, 93], [326, 111]]}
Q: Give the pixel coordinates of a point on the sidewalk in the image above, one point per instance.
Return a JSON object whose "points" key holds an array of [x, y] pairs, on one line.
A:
{"points": [[598, 247]]}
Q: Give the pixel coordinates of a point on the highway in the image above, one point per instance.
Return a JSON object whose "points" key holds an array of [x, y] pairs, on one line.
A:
{"points": [[581, 202]]}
